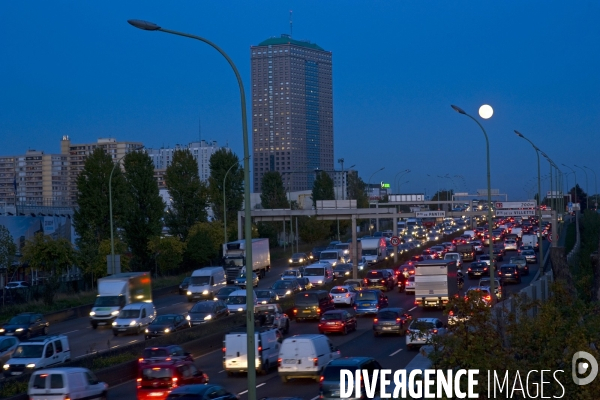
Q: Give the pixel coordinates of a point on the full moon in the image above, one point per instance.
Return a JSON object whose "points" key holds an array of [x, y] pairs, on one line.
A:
{"points": [[486, 111]]}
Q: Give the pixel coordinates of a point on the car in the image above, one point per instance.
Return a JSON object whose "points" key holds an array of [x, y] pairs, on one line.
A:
{"points": [[304, 283], [510, 244], [224, 292], [25, 326], [162, 353], [157, 379], [298, 259], [165, 324], [37, 353], [358, 284], [521, 261], [529, 256], [8, 344], [206, 311], [379, 279], [342, 270], [312, 304], [410, 285], [477, 268], [456, 316], [286, 288], [316, 253], [201, 392], [477, 246], [241, 280], [272, 316], [509, 273], [484, 292], [343, 295], [337, 321], [62, 383], [183, 286], [525, 247], [331, 377], [291, 274], [391, 320], [369, 301], [17, 285], [422, 331], [450, 247], [498, 254], [440, 250], [266, 296], [485, 282]]}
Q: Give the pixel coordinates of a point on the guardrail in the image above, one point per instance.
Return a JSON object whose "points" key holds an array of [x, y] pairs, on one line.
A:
{"points": [[575, 249]]}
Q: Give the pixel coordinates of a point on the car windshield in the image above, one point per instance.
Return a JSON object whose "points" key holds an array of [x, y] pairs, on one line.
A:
{"points": [[366, 296], [156, 374], [527, 252], [265, 309], [164, 319], [242, 275], [200, 280], [388, 315], [19, 320], [339, 290], [369, 252], [314, 271], [282, 285], [421, 325], [329, 255], [129, 314], [306, 298], [202, 306], [290, 273], [107, 301], [236, 300], [29, 351], [263, 293], [155, 353], [331, 316]]}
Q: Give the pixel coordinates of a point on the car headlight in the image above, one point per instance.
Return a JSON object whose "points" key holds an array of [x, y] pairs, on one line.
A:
{"points": [[216, 298], [208, 317], [240, 309], [19, 330], [264, 302], [92, 313], [288, 292], [188, 317], [291, 260], [114, 323], [6, 366], [205, 292], [32, 365], [302, 260], [146, 330], [347, 273], [115, 313], [319, 282], [189, 293], [167, 330], [133, 323]]}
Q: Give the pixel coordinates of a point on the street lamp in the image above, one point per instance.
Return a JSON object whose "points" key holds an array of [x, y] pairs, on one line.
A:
{"points": [[225, 205], [587, 206], [112, 238], [149, 26], [595, 187], [403, 172], [369, 186], [485, 112], [574, 187]]}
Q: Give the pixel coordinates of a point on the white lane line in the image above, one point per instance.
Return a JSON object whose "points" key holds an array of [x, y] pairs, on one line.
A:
{"points": [[259, 385], [114, 347], [133, 341], [396, 352], [66, 333], [214, 351], [241, 393], [221, 371], [315, 398], [412, 308]]}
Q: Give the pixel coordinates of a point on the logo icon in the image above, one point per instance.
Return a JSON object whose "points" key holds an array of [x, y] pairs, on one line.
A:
{"points": [[580, 367]]}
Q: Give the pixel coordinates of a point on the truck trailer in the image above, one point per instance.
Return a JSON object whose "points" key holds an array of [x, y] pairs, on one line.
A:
{"points": [[435, 282], [234, 258]]}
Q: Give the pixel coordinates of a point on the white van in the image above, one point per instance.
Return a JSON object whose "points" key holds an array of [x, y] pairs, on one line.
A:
{"points": [[235, 350], [305, 356], [134, 318], [236, 301], [333, 256], [205, 282], [72, 383], [36, 353], [319, 274]]}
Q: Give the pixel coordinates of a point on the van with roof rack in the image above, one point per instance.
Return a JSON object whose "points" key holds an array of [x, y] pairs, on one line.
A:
{"points": [[36, 353]]}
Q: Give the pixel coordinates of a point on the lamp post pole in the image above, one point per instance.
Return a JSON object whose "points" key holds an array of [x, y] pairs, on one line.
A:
{"points": [[341, 161], [149, 26], [369, 187], [112, 238], [225, 205], [396, 177], [587, 192], [486, 112], [595, 188], [574, 187]]}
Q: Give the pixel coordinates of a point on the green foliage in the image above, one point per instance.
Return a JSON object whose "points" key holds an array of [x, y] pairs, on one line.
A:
{"points": [[144, 208], [322, 188], [312, 230], [356, 190], [8, 248], [189, 194], [273, 193], [220, 163], [168, 252], [269, 230], [13, 388], [203, 243]]}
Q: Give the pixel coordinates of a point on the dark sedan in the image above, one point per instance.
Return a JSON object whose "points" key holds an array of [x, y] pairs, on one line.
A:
{"points": [[201, 392], [183, 286], [165, 324], [285, 288], [206, 311], [304, 283], [391, 320], [299, 259], [340, 321], [316, 253], [478, 268], [342, 270], [25, 326], [266, 296], [224, 292]]}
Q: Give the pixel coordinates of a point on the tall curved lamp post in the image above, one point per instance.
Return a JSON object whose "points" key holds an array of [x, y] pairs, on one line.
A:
{"points": [[595, 187], [587, 192], [369, 187], [112, 237], [225, 206], [486, 112], [574, 187], [149, 26], [403, 172]]}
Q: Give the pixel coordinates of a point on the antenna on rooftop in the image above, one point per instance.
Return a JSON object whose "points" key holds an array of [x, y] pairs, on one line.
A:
{"points": [[291, 23]]}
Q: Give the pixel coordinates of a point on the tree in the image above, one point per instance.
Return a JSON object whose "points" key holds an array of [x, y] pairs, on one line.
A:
{"points": [[144, 208], [203, 243], [51, 256], [220, 162], [312, 230], [8, 248], [188, 194], [322, 188], [95, 263], [273, 193], [168, 252], [356, 190]]}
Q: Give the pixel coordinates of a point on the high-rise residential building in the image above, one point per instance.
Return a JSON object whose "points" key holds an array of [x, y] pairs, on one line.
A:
{"points": [[201, 151], [292, 111]]}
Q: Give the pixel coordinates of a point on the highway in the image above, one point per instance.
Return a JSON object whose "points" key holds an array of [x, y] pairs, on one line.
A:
{"points": [[390, 351]]}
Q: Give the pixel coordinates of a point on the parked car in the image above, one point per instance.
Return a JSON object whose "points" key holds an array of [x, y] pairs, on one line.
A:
{"points": [[391, 320], [25, 326], [206, 311], [339, 321], [183, 286], [165, 324], [422, 330]]}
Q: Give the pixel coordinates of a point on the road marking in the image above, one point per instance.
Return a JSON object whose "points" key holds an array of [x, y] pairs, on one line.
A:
{"points": [[133, 341], [241, 393], [214, 351], [396, 352], [221, 371], [262, 384], [315, 398], [412, 308], [114, 347], [66, 333]]}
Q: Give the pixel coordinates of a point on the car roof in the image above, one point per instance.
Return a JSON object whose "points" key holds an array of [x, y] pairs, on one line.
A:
{"points": [[348, 361], [432, 320]]}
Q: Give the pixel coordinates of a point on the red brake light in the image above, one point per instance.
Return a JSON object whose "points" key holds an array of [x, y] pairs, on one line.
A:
{"points": [[224, 348], [315, 361], [451, 313], [279, 362], [375, 320], [259, 348], [398, 319], [295, 311], [435, 331], [321, 379]]}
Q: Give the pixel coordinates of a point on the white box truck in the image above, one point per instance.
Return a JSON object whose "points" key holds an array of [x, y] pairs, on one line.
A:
{"points": [[235, 350], [117, 291], [374, 249], [530, 240], [435, 282], [234, 258]]}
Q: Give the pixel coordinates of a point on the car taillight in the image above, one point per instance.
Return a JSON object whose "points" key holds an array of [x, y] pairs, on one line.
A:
{"points": [[434, 331], [321, 379], [407, 331], [224, 348], [375, 321], [488, 298], [259, 349], [398, 320], [139, 382], [316, 362], [295, 311], [279, 362], [67, 396], [347, 294], [469, 269], [318, 310], [451, 313]]}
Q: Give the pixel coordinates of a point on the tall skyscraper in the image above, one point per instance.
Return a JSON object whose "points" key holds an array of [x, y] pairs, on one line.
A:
{"points": [[292, 111]]}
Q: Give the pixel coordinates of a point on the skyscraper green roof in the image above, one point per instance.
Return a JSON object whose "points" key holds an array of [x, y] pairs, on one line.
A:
{"points": [[286, 39]]}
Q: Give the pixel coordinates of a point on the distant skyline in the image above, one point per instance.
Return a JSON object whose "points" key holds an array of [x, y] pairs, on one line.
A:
{"points": [[78, 69]]}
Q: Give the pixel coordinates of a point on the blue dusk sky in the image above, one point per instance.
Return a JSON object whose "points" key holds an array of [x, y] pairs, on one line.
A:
{"points": [[78, 68]]}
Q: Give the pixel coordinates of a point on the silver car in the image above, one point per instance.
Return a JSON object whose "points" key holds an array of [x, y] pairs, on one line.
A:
{"points": [[510, 245]]}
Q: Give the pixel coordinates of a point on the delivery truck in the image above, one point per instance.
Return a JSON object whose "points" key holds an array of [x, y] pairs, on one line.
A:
{"points": [[117, 291], [374, 249], [435, 282], [234, 258]]}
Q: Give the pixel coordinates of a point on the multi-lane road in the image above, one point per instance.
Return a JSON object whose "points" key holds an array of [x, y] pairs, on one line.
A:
{"points": [[390, 351]]}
